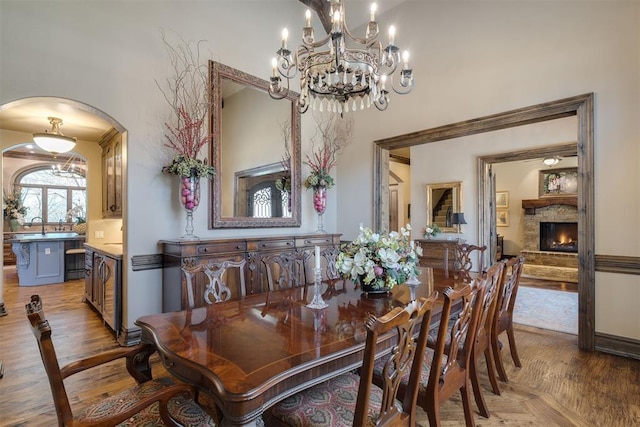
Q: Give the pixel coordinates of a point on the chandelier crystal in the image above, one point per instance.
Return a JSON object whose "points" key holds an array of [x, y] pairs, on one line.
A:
{"points": [[54, 141], [336, 77]]}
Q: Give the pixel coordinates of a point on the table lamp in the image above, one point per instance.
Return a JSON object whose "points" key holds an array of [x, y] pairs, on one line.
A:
{"points": [[457, 219]]}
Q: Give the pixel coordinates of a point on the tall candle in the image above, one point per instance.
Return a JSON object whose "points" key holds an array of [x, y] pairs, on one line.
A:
{"points": [[317, 257]]}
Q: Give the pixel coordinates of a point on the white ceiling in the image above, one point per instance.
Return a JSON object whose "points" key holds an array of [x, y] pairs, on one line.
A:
{"points": [[30, 115]]}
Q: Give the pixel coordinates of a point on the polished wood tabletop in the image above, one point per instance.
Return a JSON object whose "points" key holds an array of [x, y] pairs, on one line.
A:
{"points": [[250, 353]]}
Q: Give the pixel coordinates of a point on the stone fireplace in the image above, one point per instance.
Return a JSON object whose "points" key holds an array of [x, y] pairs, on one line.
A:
{"points": [[553, 223]]}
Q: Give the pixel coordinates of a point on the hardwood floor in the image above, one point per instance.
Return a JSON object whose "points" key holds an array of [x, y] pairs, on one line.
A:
{"points": [[558, 385]]}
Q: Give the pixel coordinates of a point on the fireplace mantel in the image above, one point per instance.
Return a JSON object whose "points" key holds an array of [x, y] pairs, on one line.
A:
{"points": [[531, 205]]}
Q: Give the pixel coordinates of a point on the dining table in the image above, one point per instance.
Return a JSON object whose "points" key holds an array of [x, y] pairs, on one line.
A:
{"points": [[250, 353]]}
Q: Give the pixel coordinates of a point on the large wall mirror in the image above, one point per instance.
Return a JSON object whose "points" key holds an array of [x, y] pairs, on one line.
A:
{"points": [[256, 153], [443, 200]]}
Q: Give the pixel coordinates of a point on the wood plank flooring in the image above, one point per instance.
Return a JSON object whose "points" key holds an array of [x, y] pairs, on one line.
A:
{"points": [[557, 386]]}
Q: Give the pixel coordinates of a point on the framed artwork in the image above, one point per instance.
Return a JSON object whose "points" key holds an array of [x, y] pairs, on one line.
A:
{"points": [[502, 218], [558, 182], [502, 199]]}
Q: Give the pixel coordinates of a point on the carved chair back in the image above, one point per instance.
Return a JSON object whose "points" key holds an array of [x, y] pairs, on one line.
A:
{"points": [[503, 318], [449, 369], [217, 288], [463, 259], [286, 270], [405, 359]]}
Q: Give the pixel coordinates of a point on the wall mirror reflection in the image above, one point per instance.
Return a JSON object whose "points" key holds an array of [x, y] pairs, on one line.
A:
{"points": [[443, 200], [256, 152]]}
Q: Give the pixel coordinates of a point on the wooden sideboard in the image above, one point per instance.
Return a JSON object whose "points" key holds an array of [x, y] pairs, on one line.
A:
{"points": [[438, 253], [179, 253]]}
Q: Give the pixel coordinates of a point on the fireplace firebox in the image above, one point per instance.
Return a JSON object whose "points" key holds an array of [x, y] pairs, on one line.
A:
{"points": [[559, 236]]}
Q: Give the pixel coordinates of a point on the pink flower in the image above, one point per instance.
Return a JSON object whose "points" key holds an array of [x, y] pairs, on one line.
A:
{"points": [[377, 270]]}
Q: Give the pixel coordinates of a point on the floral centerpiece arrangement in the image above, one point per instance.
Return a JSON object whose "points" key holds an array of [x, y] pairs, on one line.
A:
{"points": [[13, 208], [431, 230], [379, 261]]}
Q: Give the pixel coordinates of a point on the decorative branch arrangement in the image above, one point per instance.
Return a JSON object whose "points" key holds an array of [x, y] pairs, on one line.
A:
{"points": [[189, 95], [333, 134]]}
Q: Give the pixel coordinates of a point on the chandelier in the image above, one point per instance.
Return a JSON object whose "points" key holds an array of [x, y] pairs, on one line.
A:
{"points": [[68, 169], [54, 141], [338, 78]]}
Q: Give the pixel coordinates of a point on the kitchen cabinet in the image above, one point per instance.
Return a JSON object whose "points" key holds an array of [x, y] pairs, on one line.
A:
{"points": [[112, 176], [103, 285]]}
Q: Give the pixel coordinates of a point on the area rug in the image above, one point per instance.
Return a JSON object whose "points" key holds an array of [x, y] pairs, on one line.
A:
{"points": [[547, 309]]}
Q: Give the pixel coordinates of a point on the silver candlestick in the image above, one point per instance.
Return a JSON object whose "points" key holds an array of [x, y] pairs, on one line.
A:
{"points": [[413, 283], [317, 301]]}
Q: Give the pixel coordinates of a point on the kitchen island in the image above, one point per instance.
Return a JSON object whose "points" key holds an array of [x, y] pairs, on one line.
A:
{"points": [[41, 257]]}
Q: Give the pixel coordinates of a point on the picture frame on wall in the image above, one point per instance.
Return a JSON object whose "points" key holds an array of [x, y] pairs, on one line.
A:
{"points": [[502, 218], [558, 182], [502, 199]]}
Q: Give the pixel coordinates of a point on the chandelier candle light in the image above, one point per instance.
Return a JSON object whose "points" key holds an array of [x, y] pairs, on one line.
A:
{"points": [[341, 78]]}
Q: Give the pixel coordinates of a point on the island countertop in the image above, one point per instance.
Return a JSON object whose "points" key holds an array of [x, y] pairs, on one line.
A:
{"points": [[39, 237]]}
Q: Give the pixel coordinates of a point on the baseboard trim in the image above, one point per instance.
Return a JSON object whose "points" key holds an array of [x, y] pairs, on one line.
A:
{"points": [[620, 346], [129, 337]]}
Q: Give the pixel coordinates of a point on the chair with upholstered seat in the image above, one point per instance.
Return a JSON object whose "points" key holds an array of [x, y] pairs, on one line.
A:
{"points": [[216, 288], [445, 368], [286, 270], [463, 262], [151, 402], [503, 318], [352, 400], [482, 345]]}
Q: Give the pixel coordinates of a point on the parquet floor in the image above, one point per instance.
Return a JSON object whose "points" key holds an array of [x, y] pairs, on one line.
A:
{"points": [[557, 386]]}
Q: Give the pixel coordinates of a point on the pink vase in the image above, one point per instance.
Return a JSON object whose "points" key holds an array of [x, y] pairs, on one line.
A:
{"points": [[320, 205], [189, 199]]}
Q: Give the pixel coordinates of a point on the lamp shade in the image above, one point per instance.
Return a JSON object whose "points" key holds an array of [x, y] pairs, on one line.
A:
{"points": [[458, 218], [54, 141]]}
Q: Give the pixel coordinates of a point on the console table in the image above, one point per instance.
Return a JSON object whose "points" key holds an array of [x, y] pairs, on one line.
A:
{"points": [[438, 253], [180, 253]]}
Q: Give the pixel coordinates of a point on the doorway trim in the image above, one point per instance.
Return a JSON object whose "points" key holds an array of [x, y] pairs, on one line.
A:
{"points": [[581, 106]]}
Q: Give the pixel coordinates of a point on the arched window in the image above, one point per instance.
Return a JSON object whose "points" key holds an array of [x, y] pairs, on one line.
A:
{"points": [[55, 196]]}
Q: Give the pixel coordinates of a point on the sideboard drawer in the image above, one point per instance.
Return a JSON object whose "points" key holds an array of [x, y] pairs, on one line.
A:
{"points": [[261, 245], [222, 247]]}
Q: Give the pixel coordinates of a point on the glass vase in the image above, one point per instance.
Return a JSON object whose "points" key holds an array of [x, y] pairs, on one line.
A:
{"points": [[189, 199], [320, 205]]}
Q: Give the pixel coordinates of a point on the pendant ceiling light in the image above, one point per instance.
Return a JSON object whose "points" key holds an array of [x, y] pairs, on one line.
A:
{"points": [[550, 161], [338, 77], [54, 141]]}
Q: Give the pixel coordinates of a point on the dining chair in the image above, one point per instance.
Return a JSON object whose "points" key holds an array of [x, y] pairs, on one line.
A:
{"points": [[286, 270], [445, 368], [216, 288], [352, 400], [463, 261], [482, 345], [503, 318], [150, 402]]}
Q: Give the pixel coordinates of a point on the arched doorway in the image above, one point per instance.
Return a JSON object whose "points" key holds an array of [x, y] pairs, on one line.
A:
{"points": [[19, 119]]}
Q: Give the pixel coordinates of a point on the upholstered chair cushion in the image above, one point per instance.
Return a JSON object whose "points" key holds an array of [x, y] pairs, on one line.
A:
{"points": [[424, 376], [182, 409], [332, 403]]}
